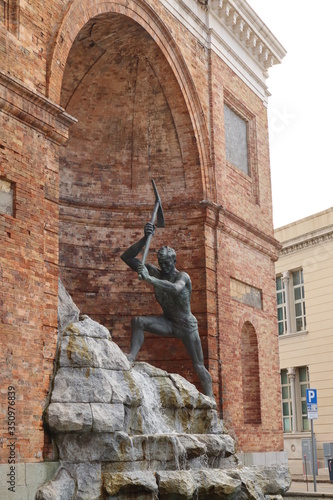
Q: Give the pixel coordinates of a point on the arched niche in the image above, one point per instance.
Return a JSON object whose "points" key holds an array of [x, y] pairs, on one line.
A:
{"points": [[78, 13], [133, 124], [250, 375]]}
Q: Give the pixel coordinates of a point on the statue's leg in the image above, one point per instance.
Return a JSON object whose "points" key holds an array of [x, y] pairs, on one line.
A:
{"points": [[137, 337], [152, 324], [193, 346]]}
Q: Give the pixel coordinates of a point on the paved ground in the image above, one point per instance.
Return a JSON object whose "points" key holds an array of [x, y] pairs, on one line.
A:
{"points": [[322, 486]]}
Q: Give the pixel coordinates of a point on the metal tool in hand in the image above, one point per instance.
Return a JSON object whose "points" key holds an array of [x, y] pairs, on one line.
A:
{"points": [[157, 213]]}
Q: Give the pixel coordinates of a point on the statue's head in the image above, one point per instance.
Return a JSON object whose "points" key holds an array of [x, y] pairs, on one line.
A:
{"points": [[166, 252]]}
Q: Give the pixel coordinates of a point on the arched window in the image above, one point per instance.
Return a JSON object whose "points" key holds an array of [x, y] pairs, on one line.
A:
{"points": [[250, 375]]}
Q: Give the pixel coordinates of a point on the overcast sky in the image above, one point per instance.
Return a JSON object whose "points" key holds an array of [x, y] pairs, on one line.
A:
{"points": [[301, 107]]}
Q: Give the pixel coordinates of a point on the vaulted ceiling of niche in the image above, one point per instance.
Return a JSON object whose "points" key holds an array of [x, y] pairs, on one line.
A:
{"points": [[132, 119]]}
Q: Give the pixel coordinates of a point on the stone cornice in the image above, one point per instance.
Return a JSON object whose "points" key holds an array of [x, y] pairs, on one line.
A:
{"points": [[251, 32], [242, 20], [307, 240], [235, 33], [34, 109], [203, 4]]}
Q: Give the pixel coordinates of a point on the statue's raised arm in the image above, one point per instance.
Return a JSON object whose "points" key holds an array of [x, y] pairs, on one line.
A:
{"points": [[129, 257]]}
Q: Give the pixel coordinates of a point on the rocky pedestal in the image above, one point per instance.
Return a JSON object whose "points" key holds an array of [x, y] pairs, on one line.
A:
{"points": [[133, 431]]}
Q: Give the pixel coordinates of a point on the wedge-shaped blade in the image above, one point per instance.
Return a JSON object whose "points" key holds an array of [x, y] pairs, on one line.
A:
{"points": [[159, 216]]}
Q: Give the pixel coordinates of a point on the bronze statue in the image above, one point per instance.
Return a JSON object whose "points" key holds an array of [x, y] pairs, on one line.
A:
{"points": [[173, 292]]}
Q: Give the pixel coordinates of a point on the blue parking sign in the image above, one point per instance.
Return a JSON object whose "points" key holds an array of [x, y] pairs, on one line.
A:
{"points": [[311, 396], [311, 403]]}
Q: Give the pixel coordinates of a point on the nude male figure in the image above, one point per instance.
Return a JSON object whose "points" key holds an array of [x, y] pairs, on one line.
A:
{"points": [[173, 292]]}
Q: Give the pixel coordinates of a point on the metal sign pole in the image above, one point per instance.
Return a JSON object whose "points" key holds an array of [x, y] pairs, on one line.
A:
{"points": [[314, 466], [306, 473], [312, 407]]}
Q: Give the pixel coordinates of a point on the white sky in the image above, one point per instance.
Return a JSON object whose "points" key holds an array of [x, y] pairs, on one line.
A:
{"points": [[301, 107]]}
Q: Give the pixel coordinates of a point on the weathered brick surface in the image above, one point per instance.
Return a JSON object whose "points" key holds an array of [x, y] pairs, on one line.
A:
{"points": [[147, 97], [251, 267], [28, 266]]}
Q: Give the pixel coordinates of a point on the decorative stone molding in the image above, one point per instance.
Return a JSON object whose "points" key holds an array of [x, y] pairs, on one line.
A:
{"points": [[235, 33], [254, 35], [307, 241], [203, 4]]}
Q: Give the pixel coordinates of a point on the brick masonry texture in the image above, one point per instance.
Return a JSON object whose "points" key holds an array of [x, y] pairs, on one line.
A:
{"points": [[148, 100]]}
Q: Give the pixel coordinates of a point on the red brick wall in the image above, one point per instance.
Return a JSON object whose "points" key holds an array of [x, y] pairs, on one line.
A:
{"points": [[238, 260], [239, 245], [163, 76], [29, 275], [236, 192]]}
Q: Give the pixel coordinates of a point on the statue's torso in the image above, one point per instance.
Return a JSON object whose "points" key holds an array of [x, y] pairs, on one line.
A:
{"points": [[175, 305]]}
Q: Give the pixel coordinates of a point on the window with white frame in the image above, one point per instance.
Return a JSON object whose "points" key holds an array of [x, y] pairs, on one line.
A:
{"points": [[299, 302], [287, 409], [290, 300], [294, 382], [303, 374], [281, 306]]}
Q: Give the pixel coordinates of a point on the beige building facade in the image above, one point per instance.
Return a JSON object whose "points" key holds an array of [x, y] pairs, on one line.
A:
{"points": [[304, 287]]}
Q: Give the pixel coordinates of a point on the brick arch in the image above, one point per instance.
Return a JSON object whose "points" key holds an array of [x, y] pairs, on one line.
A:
{"points": [[117, 80], [78, 14], [250, 375]]}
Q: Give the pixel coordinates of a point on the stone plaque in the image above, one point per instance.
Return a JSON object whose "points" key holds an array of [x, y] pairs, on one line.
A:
{"points": [[236, 150], [6, 197], [246, 294]]}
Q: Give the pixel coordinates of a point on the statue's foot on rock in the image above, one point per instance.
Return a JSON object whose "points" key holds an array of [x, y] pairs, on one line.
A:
{"points": [[130, 357]]}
